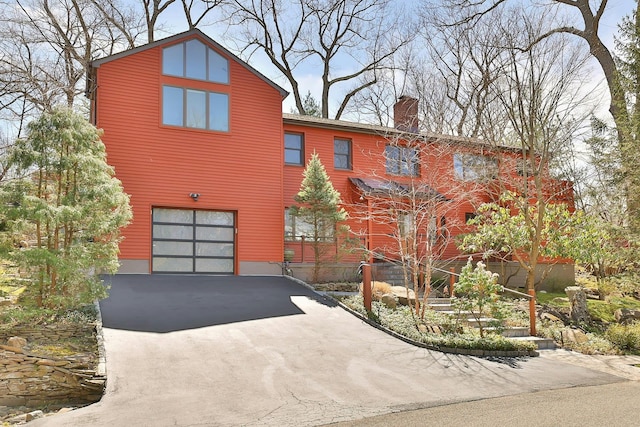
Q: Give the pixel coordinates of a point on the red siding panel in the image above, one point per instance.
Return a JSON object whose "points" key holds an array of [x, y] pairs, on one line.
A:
{"points": [[159, 165]]}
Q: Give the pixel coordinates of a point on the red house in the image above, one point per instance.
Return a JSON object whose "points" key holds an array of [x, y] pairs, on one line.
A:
{"points": [[199, 141]]}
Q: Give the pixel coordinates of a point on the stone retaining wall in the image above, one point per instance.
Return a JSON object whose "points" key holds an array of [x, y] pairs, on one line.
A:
{"points": [[46, 332], [27, 380], [31, 380]]}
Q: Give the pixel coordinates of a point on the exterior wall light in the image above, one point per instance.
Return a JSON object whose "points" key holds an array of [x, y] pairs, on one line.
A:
{"points": [[194, 196]]}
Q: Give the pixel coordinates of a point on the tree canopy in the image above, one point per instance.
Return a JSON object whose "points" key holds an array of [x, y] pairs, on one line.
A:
{"points": [[63, 210]]}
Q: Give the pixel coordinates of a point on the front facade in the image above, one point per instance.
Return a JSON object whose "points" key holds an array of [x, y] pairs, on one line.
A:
{"points": [[193, 134], [199, 141]]}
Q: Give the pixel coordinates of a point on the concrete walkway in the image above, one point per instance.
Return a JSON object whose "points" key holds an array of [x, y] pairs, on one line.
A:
{"points": [[265, 351]]}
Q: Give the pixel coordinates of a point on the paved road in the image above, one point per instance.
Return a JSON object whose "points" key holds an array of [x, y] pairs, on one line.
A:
{"points": [[607, 405], [266, 351]]}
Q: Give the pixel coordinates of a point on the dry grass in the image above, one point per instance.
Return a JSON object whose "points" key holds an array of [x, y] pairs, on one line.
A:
{"points": [[378, 289]]}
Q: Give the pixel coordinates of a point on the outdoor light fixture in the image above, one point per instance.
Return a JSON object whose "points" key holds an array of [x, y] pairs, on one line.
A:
{"points": [[194, 196]]}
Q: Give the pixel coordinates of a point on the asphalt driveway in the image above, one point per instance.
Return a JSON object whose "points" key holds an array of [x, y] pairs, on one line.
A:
{"points": [[266, 351]]}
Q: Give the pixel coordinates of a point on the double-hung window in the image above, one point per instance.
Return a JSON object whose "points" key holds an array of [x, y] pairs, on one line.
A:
{"points": [[294, 149], [402, 160], [342, 154]]}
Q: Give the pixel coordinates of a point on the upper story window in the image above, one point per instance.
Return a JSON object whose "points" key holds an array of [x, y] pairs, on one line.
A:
{"points": [[342, 154], [294, 149], [194, 60], [196, 109], [402, 160], [474, 167]]}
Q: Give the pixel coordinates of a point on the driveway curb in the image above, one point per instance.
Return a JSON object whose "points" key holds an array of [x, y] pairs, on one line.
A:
{"points": [[101, 368]]}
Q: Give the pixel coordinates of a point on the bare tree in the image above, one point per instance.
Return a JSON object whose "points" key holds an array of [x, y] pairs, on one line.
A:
{"points": [[152, 11], [587, 28], [348, 41], [196, 10], [540, 95], [47, 45], [124, 20], [412, 214], [451, 78], [467, 59]]}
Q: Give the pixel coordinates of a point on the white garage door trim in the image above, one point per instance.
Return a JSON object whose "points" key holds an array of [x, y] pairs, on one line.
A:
{"points": [[193, 241]]}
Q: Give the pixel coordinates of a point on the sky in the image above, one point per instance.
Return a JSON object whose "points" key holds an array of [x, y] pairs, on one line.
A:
{"points": [[174, 22]]}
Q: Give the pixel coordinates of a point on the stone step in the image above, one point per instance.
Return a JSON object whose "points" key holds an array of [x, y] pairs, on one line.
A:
{"points": [[542, 343], [513, 331], [439, 301], [442, 307], [475, 323], [461, 315]]}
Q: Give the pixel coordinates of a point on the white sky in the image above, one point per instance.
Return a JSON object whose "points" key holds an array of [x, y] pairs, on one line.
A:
{"points": [[174, 22]]}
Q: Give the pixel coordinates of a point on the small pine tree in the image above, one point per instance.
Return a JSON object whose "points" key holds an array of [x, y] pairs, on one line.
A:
{"points": [[310, 106], [320, 207], [66, 207]]}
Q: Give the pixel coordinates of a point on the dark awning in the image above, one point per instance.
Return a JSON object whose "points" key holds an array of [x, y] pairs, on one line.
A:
{"points": [[381, 187]]}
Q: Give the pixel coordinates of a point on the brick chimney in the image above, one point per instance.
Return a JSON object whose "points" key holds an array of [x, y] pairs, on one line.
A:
{"points": [[405, 114]]}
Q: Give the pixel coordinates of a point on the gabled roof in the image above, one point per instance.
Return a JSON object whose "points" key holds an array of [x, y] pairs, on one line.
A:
{"points": [[185, 35]]}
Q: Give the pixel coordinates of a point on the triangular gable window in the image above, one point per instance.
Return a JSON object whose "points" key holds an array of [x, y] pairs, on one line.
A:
{"points": [[194, 60]]}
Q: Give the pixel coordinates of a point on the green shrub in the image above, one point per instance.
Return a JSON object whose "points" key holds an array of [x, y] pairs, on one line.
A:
{"points": [[626, 337], [626, 283], [596, 344], [477, 291], [21, 315]]}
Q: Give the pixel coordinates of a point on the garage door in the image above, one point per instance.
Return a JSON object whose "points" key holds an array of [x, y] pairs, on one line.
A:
{"points": [[193, 241]]}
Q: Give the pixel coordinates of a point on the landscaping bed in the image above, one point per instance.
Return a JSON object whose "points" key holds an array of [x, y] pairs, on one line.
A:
{"points": [[604, 333], [436, 331]]}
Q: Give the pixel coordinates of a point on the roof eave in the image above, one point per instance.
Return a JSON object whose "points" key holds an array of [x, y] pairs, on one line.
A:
{"points": [[301, 120]]}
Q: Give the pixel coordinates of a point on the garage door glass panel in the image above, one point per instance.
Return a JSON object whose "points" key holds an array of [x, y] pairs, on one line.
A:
{"points": [[212, 233], [193, 241], [173, 248], [175, 232], [204, 265], [173, 215], [214, 218], [181, 265], [215, 249]]}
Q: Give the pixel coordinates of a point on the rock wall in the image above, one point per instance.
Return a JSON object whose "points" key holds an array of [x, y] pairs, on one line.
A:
{"points": [[31, 380], [46, 332], [27, 380]]}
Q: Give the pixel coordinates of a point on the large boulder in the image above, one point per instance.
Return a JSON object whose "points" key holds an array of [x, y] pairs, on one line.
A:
{"points": [[575, 336], [17, 342], [389, 300], [401, 293], [626, 315], [577, 304]]}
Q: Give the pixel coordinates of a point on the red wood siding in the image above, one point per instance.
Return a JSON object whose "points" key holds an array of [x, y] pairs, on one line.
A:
{"points": [[436, 169], [159, 165]]}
